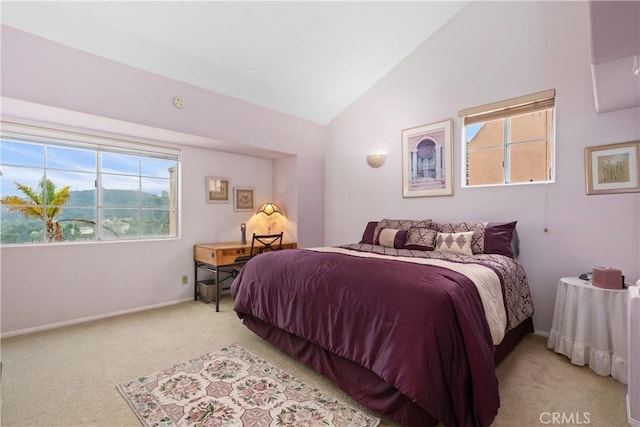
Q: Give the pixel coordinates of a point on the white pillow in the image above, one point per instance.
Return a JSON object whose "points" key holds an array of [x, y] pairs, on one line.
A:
{"points": [[457, 243]]}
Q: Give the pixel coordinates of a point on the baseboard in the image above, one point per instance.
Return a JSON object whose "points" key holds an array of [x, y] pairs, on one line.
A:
{"points": [[632, 421], [541, 333], [90, 318]]}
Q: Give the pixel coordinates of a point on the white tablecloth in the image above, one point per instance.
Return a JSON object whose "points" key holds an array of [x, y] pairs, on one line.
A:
{"points": [[590, 327]]}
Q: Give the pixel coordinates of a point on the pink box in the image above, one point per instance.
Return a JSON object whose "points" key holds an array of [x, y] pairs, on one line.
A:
{"points": [[607, 277]]}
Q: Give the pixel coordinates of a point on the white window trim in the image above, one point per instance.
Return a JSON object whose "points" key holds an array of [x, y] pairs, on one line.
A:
{"points": [[80, 139], [497, 107], [83, 137]]}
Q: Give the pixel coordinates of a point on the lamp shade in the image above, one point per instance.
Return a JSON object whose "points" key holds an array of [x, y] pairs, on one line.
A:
{"points": [[269, 209]]}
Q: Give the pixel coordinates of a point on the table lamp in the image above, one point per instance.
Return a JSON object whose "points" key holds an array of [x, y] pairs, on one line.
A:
{"points": [[269, 209]]}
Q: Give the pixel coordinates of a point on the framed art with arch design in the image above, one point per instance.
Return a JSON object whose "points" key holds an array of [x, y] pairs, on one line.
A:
{"points": [[427, 160]]}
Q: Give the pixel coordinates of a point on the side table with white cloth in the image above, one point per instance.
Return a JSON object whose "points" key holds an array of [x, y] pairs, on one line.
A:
{"points": [[590, 327]]}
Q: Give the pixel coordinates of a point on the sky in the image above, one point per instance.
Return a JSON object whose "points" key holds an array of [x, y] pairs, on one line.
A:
{"points": [[24, 163], [472, 130]]}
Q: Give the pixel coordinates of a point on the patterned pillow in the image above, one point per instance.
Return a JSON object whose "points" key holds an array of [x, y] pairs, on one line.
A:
{"points": [[393, 238], [457, 243], [421, 239], [477, 245], [399, 224]]}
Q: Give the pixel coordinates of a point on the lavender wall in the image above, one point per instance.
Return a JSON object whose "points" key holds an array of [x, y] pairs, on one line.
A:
{"points": [[43, 285], [488, 52]]}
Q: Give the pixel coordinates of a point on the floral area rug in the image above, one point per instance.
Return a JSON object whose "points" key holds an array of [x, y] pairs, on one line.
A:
{"points": [[233, 387]]}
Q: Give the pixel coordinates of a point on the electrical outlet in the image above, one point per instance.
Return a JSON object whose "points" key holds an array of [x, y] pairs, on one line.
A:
{"points": [[185, 279]]}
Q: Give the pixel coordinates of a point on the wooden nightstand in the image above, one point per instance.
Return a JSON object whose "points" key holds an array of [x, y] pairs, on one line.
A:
{"points": [[219, 258]]}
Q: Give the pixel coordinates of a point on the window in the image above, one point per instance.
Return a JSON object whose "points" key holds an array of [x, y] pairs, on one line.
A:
{"points": [[509, 142], [61, 186]]}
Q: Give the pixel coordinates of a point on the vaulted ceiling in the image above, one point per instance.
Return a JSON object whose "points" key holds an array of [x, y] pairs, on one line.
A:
{"points": [[307, 59]]}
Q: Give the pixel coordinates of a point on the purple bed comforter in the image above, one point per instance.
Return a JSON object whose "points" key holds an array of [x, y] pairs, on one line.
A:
{"points": [[421, 328]]}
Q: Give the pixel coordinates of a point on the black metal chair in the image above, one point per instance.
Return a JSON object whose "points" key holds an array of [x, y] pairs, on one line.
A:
{"points": [[260, 243]]}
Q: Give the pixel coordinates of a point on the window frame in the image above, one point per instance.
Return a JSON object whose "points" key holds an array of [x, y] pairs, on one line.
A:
{"points": [[507, 109], [102, 142]]}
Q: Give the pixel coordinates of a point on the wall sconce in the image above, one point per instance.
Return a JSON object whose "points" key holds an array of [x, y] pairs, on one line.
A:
{"points": [[636, 65], [269, 209], [376, 160]]}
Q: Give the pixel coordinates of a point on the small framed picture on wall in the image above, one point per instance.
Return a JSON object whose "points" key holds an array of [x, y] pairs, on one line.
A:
{"points": [[243, 199], [216, 190], [613, 168]]}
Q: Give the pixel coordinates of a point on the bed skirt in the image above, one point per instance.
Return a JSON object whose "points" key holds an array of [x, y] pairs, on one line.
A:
{"points": [[361, 384], [512, 338]]}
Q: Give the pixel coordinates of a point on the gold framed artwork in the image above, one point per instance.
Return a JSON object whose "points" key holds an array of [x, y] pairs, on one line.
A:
{"points": [[243, 199], [612, 168], [427, 160], [216, 189]]}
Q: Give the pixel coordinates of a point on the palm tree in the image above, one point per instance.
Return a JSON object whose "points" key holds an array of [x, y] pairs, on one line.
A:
{"points": [[44, 203]]}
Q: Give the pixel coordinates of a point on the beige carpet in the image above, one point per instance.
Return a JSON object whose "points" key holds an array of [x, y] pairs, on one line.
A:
{"points": [[68, 376]]}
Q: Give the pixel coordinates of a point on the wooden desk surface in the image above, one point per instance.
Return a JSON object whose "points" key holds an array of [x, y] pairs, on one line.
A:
{"points": [[225, 253]]}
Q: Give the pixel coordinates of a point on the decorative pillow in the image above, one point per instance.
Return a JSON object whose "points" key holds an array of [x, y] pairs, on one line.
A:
{"points": [[367, 236], [457, 243], [499, 237], [477, 245], [393, 238], [421, 239], [399, 224]]}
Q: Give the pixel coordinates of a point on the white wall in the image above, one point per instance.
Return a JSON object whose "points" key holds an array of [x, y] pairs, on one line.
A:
{"points": [[488, 52], [53, 284]]}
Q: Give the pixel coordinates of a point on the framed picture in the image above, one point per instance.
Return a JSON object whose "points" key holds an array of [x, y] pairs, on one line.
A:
{"points": [[243, 199], [216, 190], [612, 168], [427, 160]]}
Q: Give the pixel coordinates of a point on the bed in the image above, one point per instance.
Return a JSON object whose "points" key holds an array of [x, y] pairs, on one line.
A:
{"points": [[410, 321]]}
